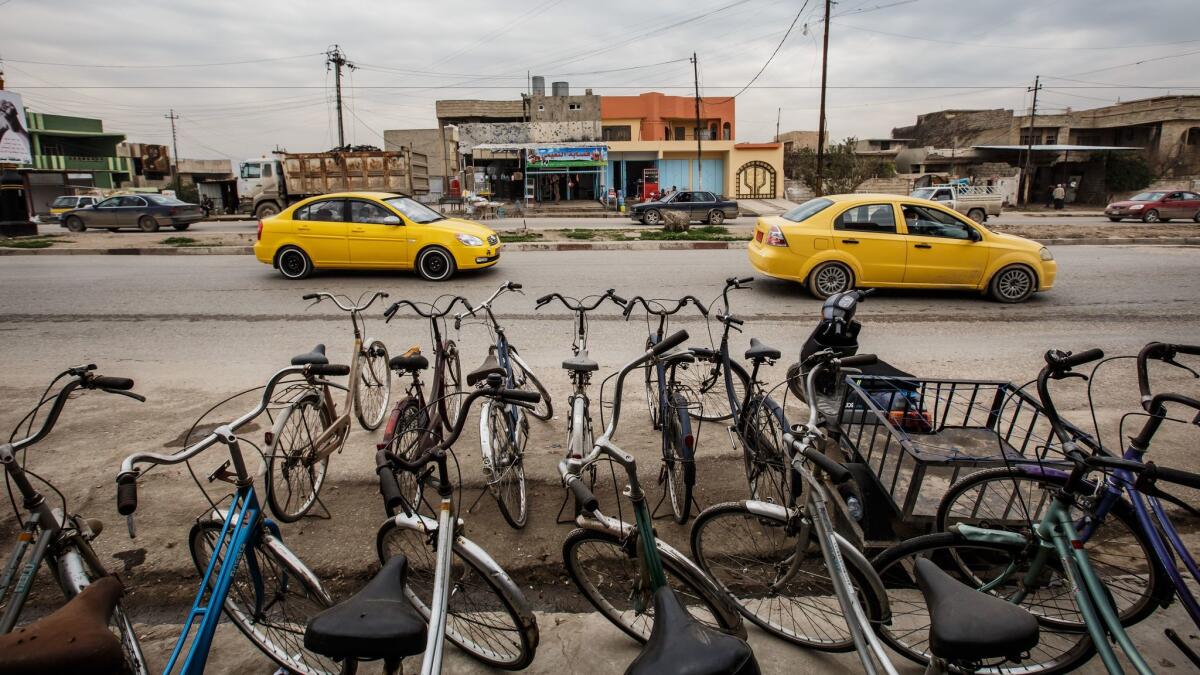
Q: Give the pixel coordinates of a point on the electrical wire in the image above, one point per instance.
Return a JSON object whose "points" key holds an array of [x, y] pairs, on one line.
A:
{"points": [[160, 66], [769, 58]]}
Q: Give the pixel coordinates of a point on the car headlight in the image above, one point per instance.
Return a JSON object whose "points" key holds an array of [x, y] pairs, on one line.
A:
{"points": [[468, 240], [1137, 207], [1045, 254]]}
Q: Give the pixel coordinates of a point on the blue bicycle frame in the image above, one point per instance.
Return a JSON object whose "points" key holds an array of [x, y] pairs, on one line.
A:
{"points": [[510, 381]]}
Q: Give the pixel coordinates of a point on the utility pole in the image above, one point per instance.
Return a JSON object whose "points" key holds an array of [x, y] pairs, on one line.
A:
{"points": [[174, 151], [337, 59], [699, 164], [821, 117], [1037, 85], [778, 115]]}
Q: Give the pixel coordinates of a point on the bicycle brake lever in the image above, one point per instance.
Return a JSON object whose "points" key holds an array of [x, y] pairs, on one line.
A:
{"points": [[130, 394], [1067, 374], [1177, 364], [129, 525]]}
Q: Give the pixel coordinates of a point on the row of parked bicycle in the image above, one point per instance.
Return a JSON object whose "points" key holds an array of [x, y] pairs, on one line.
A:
{"points": [[1034, 565]]}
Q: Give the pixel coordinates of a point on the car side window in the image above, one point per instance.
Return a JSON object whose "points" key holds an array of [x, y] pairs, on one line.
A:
{"points": [[867, 218], [934, 223], [1175, 195], [109, 203], [327, 211], [366, 212], [132, 201], [266, 171], [705, 197], [683, 198]]}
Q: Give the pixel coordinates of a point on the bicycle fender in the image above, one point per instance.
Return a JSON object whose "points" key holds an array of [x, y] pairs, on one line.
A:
{"points": [[469, 549], [485, 435], [972, 533], [277, 548], [418, 522], [732, 615]]}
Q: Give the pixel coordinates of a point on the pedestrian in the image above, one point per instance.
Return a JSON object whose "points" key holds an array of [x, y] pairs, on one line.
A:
{"points": [[1060, 194]]}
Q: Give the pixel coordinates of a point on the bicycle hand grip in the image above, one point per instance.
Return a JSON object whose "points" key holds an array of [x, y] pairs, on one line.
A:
{"points": [[328, 369], [391, 311], [837, 473], [545, 298], [734, 320], [699, 305], [1153, 472], [619, 300], [858, 360], [126, 494], [309, 296], [118, 383], [745, 280], [583, 496], [628, 307], [519, 396], [514, 286], [389, 487], [670, 342], [1072, 360]]}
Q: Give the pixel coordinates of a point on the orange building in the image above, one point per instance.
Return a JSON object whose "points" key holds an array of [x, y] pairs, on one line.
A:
{"points": [[654, 116]]}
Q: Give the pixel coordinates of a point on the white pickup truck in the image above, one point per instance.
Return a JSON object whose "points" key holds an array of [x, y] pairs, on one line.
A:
{"points": [[976, 202]]}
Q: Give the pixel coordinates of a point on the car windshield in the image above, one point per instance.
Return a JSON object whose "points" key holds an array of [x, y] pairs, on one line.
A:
{"points": [[414, 210], [164, 200], [1147, 197], [63, 202], [807, 210], [923, 193]]}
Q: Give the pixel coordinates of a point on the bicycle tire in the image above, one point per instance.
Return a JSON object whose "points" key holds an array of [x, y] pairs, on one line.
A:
{"points": [[611, 589], [505, 473], [526, 380], [451, 394], [725, 532], [408, 426], [907, 632], [295, 433], [653, 400], [374, 386], [680, 471], [706, 380], [760, 431], [118, 622], [497, 600], [1120, 553], [275, 630]]}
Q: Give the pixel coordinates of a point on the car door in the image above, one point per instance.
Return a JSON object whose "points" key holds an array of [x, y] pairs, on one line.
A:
{"points": [[129, 209], [681, 202], [320, 227], [377, 237], [943, 249], [104, 215], [1191, 205], [868, 234], [702, 203]]}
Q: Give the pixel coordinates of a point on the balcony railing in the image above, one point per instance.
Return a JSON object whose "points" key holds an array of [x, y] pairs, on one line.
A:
{"points": [[74, 163]]}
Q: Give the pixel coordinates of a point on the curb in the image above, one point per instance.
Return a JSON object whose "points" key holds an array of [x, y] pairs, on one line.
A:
{"points": [[1039, 214]]}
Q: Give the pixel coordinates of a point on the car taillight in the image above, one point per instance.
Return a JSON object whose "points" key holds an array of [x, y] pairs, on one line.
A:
{"points": [[758, 235], [172, 211], [775, 237], [258, 237]]}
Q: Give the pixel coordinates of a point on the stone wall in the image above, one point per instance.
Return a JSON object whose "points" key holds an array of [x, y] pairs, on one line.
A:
{"points": [[471, 135], [959, 129]]}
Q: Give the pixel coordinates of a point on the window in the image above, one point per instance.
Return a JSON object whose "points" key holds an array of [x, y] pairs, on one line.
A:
{"points": [[366, 212], [414, 210], [266, 171], [251, 170], [867, 218], [727, 132], [63, 203], [1185, 195], [541, 108], [109, 203], [705, 197], [934, 223], [132, 201], [327, 211], [574, 106], [679, 133], [163, 200], [807, 210], [624, 133], [1193, 136], [682, 198], [1051, 139]]}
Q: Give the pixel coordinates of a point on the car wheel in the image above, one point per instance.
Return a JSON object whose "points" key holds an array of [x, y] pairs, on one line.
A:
{"points": [[1115, 220], [1150, 216], [716, 217], [266, 210], [148, 224], [181, 228], [829, 279], [293, 263], [977, 215], [75, 224], [652, 217], [1196, 218], [435, 264], [1012, 284]]}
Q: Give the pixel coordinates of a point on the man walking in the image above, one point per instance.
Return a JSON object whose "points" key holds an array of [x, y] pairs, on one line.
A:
{"points": [[1060, 194]]}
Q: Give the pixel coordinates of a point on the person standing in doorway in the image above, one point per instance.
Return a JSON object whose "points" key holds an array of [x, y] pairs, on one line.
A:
{"points": [[1060, 195]]}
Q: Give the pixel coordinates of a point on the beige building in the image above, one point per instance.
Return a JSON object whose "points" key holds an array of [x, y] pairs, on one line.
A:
{"points": [[439, 145], [794, 141]]}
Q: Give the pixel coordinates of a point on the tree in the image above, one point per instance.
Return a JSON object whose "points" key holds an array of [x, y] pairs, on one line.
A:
{"points": [[844, 168], [1126, 172]]}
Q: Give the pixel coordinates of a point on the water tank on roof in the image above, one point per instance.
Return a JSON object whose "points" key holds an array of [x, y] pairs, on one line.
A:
{"points": [[561, 89], [539, 85]]}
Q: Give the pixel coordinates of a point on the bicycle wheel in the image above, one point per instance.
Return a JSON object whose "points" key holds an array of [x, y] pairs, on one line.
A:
{"points": [[707, 380], [451, 386], [524, 378], [1004, 565], [484, 615], [763, 457], [653, 402], [505, 470], [680, 472], [294, 480], [606, 570], [78, 567], [783, 588], [409, 427], [374, 386], [272, 607], [1118, 549]]}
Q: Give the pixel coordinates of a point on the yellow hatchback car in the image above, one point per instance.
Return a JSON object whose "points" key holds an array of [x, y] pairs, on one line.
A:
{"points": [[372, 230], [839, 242]]}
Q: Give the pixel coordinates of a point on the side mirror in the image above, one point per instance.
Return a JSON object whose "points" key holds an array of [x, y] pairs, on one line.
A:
{"points": [[973, 234], [391, 220]]}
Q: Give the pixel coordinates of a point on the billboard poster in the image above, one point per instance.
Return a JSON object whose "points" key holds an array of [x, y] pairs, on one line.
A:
{"points": [[16, 144], [155, 159], [555, 157]]}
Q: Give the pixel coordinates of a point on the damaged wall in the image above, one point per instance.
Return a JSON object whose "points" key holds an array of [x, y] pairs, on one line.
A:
{"points": [[959, 128], [471, 135]]}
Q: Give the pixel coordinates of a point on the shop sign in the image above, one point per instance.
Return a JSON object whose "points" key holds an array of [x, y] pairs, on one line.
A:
{"points": [[551, 157]]}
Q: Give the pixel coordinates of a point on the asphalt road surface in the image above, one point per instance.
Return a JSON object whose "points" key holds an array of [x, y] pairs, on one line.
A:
{"points": [[192, 330]]}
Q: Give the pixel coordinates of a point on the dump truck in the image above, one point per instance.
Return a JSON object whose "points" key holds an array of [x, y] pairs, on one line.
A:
{"points": [[976, 202], [267, 185]]}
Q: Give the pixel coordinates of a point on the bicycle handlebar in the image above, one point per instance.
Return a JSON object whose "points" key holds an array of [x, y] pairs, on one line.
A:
{"points": [[579, 304], [337, 300], [670, 342], [433, 312], [1160, 351], [81, 377], [1060, 362], [1152, 473], [487, 304], [1058, 366], [662, 311]]}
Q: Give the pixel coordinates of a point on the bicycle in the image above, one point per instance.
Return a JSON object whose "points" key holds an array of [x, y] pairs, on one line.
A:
{"points": [[503, 430], [471, 601], [62, 541], [1036, 567], [310, 429], [623, 569], [262, 586], [710, 379], [411, 418], [670, 408]]}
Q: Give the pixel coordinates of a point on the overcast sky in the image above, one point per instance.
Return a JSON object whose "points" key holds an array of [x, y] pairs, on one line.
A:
{"points": [[889, 60]]}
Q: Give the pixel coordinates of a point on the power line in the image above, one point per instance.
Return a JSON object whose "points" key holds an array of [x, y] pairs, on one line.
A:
{"points": [[1138, 63], [996, 46], [600, 86], [161, 66], [773, 53]]}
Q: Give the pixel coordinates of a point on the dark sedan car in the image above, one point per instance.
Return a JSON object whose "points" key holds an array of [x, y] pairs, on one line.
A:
{"points": [[1156, 206], [145, 212], [704, 206]]}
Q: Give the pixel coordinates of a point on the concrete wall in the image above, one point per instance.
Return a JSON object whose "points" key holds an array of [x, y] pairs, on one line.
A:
{"points": [[442, 160], [558, 108], [794, 141], [471, 135]]}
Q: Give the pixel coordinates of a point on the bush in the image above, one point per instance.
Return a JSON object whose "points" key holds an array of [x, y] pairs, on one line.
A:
{"points": [[844, 169], [1126, 172]]}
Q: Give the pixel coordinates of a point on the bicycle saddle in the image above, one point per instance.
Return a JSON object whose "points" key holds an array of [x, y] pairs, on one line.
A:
{"points": [[760, 351], [968, 625], [376, 623], [489, 366], [74, 639], [314, 358], [580, 363], [681, 645], [409, 363]]}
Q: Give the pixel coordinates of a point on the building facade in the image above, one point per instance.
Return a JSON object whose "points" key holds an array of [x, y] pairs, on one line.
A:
{"points": [[439, 145], [71, 154]]}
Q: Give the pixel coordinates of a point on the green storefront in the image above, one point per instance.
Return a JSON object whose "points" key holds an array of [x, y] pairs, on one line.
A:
{"points": [[71, 154]]}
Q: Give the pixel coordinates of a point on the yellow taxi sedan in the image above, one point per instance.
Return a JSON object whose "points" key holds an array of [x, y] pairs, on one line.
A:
{"points": [[838, 242], [372, 230]]}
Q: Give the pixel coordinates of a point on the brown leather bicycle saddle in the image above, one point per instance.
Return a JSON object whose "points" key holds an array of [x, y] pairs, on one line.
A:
{"points": [[74, 639]]}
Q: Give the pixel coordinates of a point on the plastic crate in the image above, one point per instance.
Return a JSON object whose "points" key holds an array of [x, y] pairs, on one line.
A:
{"points": [[919, 436]]}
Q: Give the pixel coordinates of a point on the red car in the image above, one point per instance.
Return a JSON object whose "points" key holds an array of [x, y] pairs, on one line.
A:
{"points": [[1157, 206]]}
